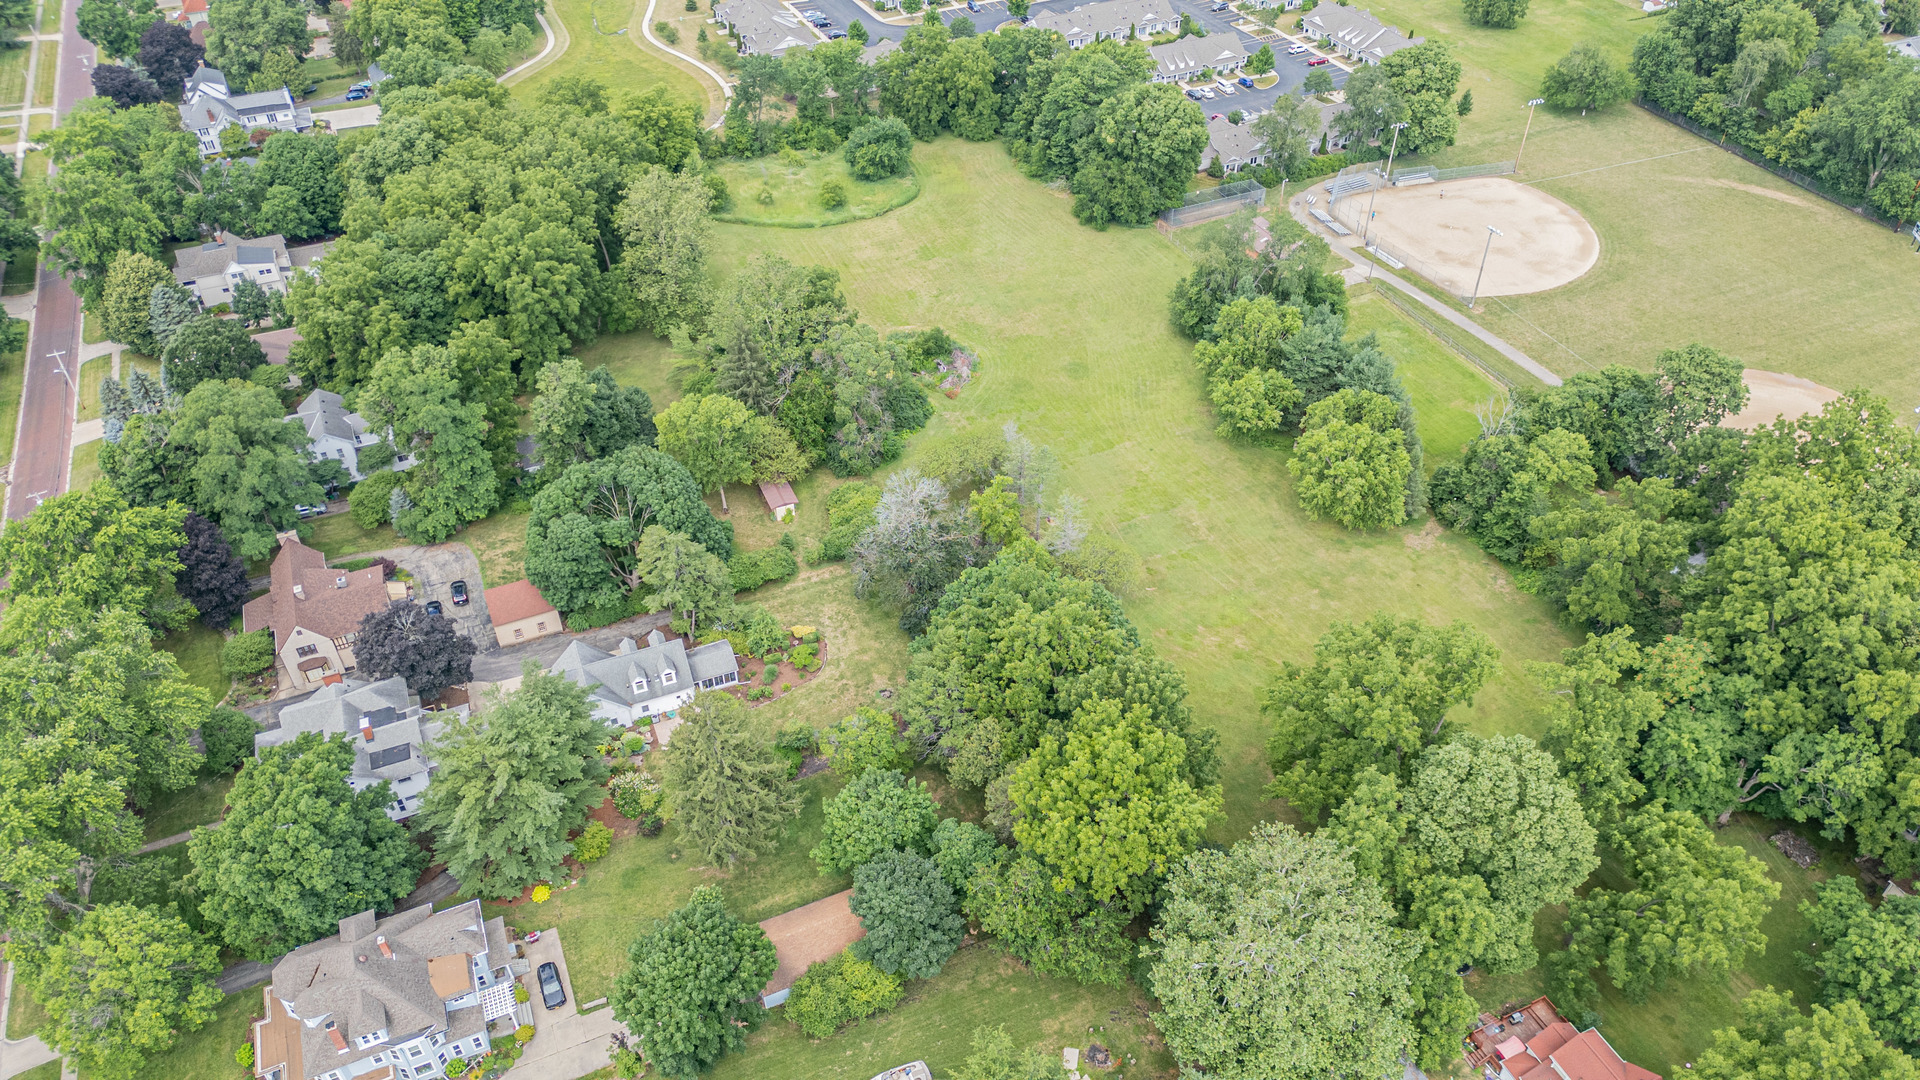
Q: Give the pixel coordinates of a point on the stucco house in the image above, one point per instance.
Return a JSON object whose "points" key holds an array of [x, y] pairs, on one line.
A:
{"points": [[640, 685], [388, 999], [391, 735], [338, 434], [1189, 56], [1356, 34], [208, 107], [1088, 23], [519, 613], [314, 611], [211, 270]]}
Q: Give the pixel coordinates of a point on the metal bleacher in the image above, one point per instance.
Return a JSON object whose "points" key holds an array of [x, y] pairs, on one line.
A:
{"points": [[1323, 218]]}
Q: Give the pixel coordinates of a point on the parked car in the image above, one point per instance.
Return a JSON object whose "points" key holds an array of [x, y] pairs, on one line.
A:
{"points": [[1222, 5], [822, 23], [356, 94], [1226, 88], [459, 593], [1193, 95], [551, 993], [1207, 93], [1244, 81], [1296, 49], [309, 511], [836, 35], [811, 13], [433, 607], [1218, 116], [1317, 61], [973, 6]]}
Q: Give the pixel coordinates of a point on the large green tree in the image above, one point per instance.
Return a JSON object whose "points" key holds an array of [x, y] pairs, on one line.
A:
{"points": [[1057, 932], [1585, 79], [1776, 1041], [692, 985], [1377, 694], [1693, 908], [115, 25], [62, 821], [909, 912], [1110, 807], [880, 811], [727, 785], [583, 415], [1351, 463], [711, 435], [418, 394], [126, 298], [122, 985], [683, 578], [1597, 716], [513, 781], [664, 224], [299, 850], [1424, 78], [243, 34], [207, 348], [1276, 960], [1869, 956], [1613, 560], [93, 548]]}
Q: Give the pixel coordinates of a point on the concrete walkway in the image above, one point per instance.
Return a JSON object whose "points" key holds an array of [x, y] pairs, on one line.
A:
{"points": [[17, 1057], [1343, 246]]}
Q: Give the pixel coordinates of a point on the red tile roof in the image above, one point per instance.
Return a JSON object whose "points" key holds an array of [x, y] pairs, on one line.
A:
{"points": [[514, 601]]}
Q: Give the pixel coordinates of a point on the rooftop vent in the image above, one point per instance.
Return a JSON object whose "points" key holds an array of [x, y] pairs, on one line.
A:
{"points": [[299, 592], [340, 582]]}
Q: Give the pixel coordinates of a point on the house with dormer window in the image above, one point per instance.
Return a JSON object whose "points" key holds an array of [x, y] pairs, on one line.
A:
{"points": [[389, 999], [391, 735], [640, 685]]}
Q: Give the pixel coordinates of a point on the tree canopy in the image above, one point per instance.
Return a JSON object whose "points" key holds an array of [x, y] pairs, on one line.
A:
{"points": [[692, 985], [909, 912], [880, 811], [728, 786]]}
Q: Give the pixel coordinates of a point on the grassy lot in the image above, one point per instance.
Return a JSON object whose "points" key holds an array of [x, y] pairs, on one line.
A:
{"points": [[24, 1014], [980, 987], [1670, 1028], [175, 812], [333, 75], [336, 536], [499, 541], [86, 465], [767, 191], [1691, 237], [621, 61], [13, 377], [198, 649], [92, 374], [22, 268], [49, 21], [208, 1052], [637, 359], [1444, 387], [91, 330], [13, 74], [1236, 581]]}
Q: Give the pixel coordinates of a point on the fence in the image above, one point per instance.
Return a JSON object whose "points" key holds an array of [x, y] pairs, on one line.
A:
{"points": [[1211, 203], [1798, 179], [1439, 328], [1463, 172]]}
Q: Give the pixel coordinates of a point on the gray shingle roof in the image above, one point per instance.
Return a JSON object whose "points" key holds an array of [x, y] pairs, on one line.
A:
{"points": [[611, 675], [1190, 54], [212, 257], [1357, 30], [324, 413], [393, 743]]}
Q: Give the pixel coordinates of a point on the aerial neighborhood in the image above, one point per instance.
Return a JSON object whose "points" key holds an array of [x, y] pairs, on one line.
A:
{"points": [[960, 540]]}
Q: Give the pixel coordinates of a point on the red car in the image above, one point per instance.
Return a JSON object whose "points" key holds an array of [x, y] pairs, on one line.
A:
{"points": [[1317, 61]]}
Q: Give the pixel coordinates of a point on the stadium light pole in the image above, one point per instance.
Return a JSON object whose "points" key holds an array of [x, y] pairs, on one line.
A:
{"points": [[1531, 105], [1475, 298], [1365, 237]]}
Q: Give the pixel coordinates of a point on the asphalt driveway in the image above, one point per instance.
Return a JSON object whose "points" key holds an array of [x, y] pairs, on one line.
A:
{"points": [[566, 1044], [434, 571]]}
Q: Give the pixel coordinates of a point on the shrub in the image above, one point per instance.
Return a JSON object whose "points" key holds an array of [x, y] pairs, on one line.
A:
{"points": [[839, 991], [635, 743], [760, 693], [880, 149], [370, 504], [541, 892], [523, 1034], [636, 794], [243, 1057], [833, 194], [228, 735], [749, 570], [771, 673], [798, 738], [764, 196], [755, 632], [849, 513], [627, 1061], [593, 843], [521, 994], [863, 742], [246, 654], [666, 32], [457, 1066], [805, 657]]}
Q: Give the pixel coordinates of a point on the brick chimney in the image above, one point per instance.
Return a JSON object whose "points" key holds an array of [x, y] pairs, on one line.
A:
{"points": [[366, 732], [339, 1040], [386, 950]]}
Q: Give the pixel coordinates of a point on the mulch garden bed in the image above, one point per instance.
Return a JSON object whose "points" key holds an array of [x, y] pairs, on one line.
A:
{"points": [[753, 675]]}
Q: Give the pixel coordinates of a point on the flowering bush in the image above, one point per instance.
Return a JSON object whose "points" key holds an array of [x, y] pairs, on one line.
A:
{"points": [[636, 794], [541, 892]]}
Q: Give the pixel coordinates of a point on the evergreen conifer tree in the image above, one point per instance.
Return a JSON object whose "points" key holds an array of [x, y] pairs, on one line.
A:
{"points": [[730, 788]]}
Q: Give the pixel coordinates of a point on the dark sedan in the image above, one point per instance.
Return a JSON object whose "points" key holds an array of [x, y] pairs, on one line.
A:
{"points": [[550, 992], [459, 593]]}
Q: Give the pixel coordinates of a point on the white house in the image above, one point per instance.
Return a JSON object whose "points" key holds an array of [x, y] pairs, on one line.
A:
{"points": [[337, 433], [1089, 23], [390, 733], [211, 270], [389, 999], [764, 27], [1356, 33], [208, 107], [1189, 56], [635, 685]]}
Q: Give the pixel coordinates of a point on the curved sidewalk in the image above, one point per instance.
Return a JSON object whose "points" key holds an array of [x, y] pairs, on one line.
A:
{"points": [[17, 1057]]}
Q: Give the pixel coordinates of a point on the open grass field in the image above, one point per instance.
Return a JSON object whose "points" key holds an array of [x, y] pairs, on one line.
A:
{"points": [[1670, 1028], [623, 62], [792, 192], [13, 74], [336, 536], [1444, 388], [1695, 244], [13, 376], [177, 811], [198, 649], [499, 541]]}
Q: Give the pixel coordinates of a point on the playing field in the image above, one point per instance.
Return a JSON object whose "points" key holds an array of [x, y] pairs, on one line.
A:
{"points": [[1442, 231], [1774, 394]]}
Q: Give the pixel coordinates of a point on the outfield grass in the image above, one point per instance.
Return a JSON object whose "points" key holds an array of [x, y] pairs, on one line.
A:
{"points": [[198, 649], [1670, 1028], [1072, 331], [175, 812], [1444, 387], [979, 988], [623, 62], [793, 192], [1696, 244]]}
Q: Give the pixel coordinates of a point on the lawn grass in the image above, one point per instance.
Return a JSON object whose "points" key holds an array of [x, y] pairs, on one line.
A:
{"points": [[208, 1052], [333, 75], [92, 374], [1071, 328], [45, 76], [980, 987], [337, 536], [86, 465], [24, 1014], [22, 268], [1692, 238], [92, 330], [768, 191], [13, 378], [198, 649], [1670, 1028], [175, 812], [13, 74], [499, 541], [637, 359], [49, 23], [622, 62], [1444, 387], [48, 1071]]}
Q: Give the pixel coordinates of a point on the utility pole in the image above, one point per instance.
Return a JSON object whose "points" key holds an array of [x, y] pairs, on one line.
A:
{"points": [[59, 364], [1475, 298], [1365, 241], [1531, 105]]}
